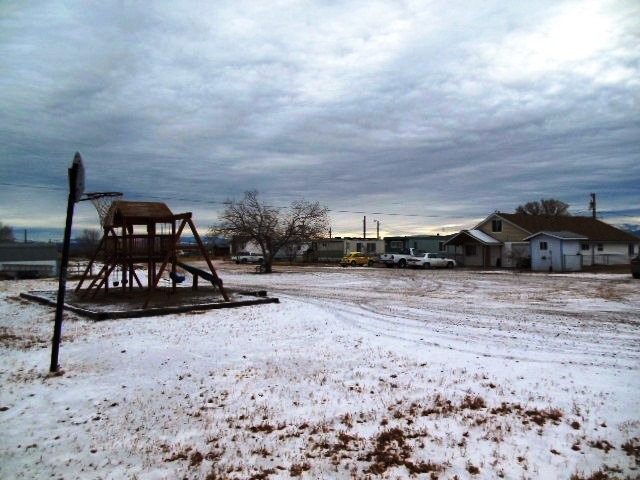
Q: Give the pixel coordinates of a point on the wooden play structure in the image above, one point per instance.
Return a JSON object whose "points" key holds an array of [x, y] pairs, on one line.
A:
{"points": [[143, 233]]}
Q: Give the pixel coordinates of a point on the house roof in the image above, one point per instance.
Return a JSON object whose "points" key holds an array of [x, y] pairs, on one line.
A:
{"points": [[559, 235], [589, 227], [478, 235]]}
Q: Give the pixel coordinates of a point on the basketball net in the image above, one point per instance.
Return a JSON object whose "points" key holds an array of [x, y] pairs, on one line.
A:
{"points": [[103, 202]]}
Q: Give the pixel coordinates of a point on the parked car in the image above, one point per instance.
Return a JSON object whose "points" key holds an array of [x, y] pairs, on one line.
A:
{"points": [[357, 259], [429, 260], [635, 267], [398, 259], [247, 257]]}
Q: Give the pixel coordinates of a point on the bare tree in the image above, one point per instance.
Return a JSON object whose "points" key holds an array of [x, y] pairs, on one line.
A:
{"points": [[87, 243], [270, 227], [548, 206], [6, 234]]}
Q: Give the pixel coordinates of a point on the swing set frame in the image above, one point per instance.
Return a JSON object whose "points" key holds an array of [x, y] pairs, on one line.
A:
{"points": [[137, 233]]}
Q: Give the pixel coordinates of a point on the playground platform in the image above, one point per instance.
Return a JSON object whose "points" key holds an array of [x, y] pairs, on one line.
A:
{"points": [[115, 304]]}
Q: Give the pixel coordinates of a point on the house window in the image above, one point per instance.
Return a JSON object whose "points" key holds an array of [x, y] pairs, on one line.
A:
{"points": [[371, 248], [470, 250], [584, 246], [632, 249], [358, 247], [496, 225], [543, 246], [600, 247], [396, 244], [441, 246]]}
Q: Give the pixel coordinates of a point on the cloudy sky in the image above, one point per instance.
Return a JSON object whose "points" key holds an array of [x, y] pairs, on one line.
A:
{"points": [[424, 115]]}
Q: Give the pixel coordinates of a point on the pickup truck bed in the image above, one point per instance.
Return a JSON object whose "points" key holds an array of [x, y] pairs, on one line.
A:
{"points": [[397, 259]]}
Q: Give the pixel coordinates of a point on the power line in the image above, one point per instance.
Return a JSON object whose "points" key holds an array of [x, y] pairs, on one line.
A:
{"points": [[226, 202], [217, 202]]}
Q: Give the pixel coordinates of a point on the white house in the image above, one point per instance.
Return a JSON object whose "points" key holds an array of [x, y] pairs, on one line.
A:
{"points": [[500, 240]]}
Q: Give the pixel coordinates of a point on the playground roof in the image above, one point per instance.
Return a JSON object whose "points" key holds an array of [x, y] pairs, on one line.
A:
{"points": [[140, 213]]}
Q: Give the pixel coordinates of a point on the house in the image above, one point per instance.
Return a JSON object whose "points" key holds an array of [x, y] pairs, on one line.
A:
{"points": [[28, 260], [333, 249], [425, 243], [504, 239]]}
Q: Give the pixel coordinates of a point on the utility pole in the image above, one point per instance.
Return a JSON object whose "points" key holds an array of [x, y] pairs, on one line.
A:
{"points": [[377, 229], [592, 205], [364, 227]]}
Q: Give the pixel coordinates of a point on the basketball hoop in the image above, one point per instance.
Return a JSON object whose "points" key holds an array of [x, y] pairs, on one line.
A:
{"points": [[103, 201]]}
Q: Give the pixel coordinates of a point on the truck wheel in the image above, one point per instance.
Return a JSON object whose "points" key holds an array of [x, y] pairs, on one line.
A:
{"points": [[370, 263], [244, 260], [450, 265], [353, 263], [402, 263], [427, 266]]}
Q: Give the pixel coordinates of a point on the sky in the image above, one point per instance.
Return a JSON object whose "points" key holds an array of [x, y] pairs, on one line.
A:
{"points": [[425, 116]]}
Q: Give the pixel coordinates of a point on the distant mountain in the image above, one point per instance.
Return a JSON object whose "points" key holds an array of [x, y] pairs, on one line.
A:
{"points": [[631, 228]]}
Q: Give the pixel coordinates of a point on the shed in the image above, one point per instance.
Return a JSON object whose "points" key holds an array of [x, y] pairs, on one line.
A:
{"points": [[556, 251]]}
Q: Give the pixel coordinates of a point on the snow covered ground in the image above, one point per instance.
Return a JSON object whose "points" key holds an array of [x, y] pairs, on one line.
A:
{"points": [[357, 373]]}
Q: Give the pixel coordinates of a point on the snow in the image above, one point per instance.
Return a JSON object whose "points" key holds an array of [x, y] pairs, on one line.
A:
{"points": [[356, 373]]}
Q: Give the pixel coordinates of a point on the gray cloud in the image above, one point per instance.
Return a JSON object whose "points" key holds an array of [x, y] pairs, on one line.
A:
{"points": [[440, 111]]}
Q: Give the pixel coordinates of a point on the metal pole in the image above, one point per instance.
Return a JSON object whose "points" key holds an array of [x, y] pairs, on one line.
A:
{"points": [[74, 195]]}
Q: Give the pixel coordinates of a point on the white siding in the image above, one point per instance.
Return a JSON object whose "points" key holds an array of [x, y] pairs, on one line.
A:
{"points": [[611, 254], [559, 256]]}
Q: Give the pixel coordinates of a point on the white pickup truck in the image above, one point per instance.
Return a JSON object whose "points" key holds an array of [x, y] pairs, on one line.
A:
{"points": [[399, 259], [429, 260], [248, 257]]}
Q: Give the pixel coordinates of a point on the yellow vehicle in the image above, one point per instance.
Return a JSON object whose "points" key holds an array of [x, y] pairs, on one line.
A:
{"points": [[356, 259]]}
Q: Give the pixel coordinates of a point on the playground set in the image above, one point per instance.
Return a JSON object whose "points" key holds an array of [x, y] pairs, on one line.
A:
{"points": [[139, 236], [146, 233]]}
